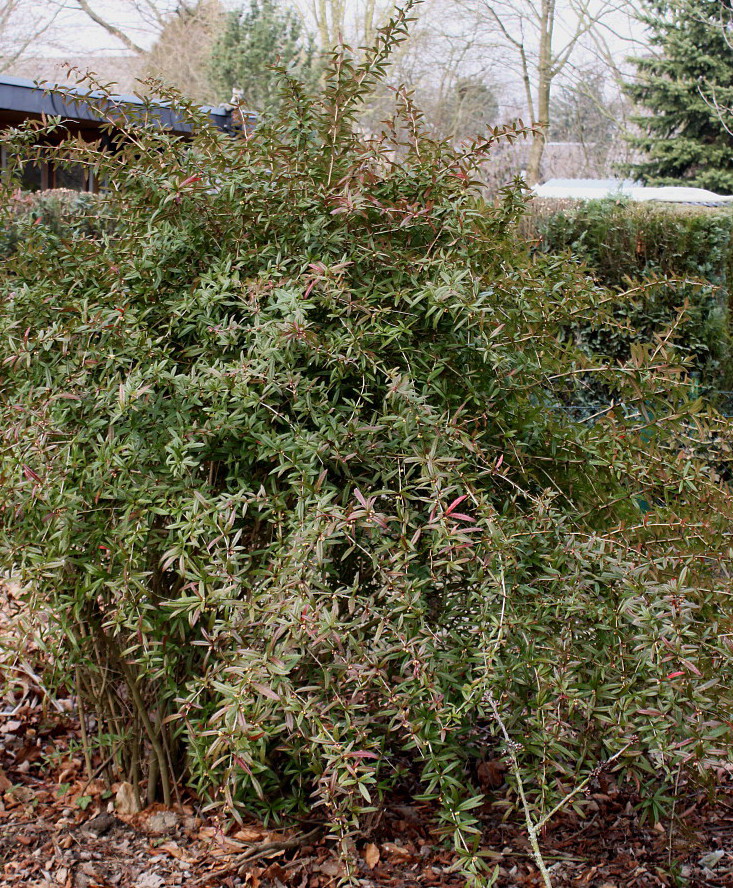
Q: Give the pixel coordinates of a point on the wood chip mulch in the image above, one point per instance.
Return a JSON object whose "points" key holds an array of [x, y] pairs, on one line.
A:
{"points": [[60, 830]]}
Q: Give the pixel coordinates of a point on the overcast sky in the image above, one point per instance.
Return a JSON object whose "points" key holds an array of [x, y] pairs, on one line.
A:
{"points": [[73, 33]]}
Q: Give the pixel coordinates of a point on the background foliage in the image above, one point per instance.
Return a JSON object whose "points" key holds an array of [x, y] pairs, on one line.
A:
{"points": [[655, 260], [49, 216], [253, 42], [284, 456]]}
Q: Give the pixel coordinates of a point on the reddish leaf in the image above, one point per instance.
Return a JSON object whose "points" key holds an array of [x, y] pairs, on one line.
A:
{"points": [[456, 502], [29, 473], [242, 764], [691, 667], [265, 690]]}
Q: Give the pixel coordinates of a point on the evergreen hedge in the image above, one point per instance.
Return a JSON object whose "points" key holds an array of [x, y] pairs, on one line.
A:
{"points": [[655, 259], [50, 215]]}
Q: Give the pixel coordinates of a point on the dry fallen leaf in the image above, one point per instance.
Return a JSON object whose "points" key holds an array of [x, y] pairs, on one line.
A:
{"points": [[252, 878], [491, 773], [371, 855], [11, 726], [149, 880], [125, 802], [95, 787], [158, 822], [249, 834], [177, 851], [330, 867], [395, 850], [275, 873]]}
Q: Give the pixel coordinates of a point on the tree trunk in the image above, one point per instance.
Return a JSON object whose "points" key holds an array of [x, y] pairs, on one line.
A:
{"points": [[544, 82], [534, 165]]}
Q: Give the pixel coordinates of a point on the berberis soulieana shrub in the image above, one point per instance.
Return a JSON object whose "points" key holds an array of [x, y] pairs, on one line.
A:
{"points": [[284, 459]]}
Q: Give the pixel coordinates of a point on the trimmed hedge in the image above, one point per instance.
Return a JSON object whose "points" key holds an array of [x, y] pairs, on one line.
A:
{"points": [[658, 259]]}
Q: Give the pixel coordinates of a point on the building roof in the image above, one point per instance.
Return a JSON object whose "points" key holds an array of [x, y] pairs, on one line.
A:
{"points": [[21, 99], [593, 189]]}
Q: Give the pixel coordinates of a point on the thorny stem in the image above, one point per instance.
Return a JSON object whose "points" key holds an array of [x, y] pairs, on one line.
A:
{"points": [[134, 771], [672, 815], [532, 828], [153, 736], [83, 727], [97, 692], [153, 773], [103, 696]]}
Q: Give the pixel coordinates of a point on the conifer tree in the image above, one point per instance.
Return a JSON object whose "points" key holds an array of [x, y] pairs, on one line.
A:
{"points": [[257, 38], [685, 89]]}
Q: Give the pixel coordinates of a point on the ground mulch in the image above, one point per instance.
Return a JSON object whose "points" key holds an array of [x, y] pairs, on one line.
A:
{"points": [[61, 829], [58, 828]]}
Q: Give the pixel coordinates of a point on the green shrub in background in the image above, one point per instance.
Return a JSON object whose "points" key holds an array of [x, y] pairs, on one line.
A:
{"points": [[49, 216], [622, 240], [651, 256], [282, 458]]}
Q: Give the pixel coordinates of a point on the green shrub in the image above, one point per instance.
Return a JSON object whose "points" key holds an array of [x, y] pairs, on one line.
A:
{"points": [[621, 240], [48, 215], [283, 459], [650, 256]]}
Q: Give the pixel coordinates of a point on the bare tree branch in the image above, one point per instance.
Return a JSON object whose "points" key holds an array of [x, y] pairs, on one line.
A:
{"points": [[540, 38], [352, 21], [22, 23], [126, 17], [110, 27]]}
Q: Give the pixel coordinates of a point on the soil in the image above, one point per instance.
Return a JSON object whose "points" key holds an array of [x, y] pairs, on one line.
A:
{"points": [[62, 828], [59, 829]]}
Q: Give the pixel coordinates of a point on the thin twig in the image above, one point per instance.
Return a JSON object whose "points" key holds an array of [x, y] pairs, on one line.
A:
{"points": [[97, 771], [531, 827], [255, 852], [581, 786]]}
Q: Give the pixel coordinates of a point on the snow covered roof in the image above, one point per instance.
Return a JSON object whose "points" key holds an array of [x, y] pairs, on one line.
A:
{"points": [[593, 189]]}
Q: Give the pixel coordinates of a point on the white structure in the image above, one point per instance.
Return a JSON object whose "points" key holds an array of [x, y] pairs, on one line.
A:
{"points": [[593, 189]]}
